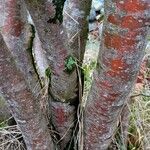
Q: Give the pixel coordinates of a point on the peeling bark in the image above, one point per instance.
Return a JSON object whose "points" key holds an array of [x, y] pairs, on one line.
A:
{"points": [[40, 58], [122, 49], [23, 105], [39, 55]]}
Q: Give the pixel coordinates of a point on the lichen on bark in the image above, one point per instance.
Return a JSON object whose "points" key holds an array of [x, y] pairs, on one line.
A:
{"points": [[121, 52], [22, 103]]}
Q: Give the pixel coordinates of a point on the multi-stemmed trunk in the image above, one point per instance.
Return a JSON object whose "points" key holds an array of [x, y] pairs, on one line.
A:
{"points": [[40, 61], [42, 48]]}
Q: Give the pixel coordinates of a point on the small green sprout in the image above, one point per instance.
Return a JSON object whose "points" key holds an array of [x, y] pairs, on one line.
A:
{"points": [[48, 72], [70, 64]]}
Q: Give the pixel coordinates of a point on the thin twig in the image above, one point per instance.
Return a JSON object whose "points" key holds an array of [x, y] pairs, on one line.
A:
{"points": [[141, 94]]}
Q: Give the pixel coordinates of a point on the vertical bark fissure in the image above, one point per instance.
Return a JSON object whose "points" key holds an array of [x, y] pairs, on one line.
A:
{"points": [[40, 60], [122, 49], [30, 50]]}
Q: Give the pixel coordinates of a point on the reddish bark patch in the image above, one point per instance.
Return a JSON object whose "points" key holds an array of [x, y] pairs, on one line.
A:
{"points": [[61, 117], [114, 19], [13, 27], [117, 68], [135, 33], [141, 75], [93, 131], [110, 97], [117, 42], [99, 107], [105, 84], [131, 23], [120, 75], [128, 22], [13, 24], [132, 6], [118, 65]]}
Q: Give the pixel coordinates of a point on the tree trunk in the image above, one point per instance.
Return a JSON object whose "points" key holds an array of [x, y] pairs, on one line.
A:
{"points": [[75, 25], [45, 56], [22, 103], [19, 80], [17, 35], [63, 86], [122, 49]]}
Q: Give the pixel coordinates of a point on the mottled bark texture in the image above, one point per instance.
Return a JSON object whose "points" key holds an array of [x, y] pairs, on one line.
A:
{"points": [[19, 82], [63, 88], [75, 24], [122, 48], [17, 36], [23, 105], [4, 110]]}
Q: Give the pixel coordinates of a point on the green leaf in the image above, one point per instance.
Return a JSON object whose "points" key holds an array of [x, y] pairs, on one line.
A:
{"points": [[70, 64], [48, 72]]}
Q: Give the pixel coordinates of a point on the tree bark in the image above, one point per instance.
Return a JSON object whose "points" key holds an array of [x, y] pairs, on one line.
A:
{"points": [[20, 85], [75, 25], [63, 87], [17, 35], [122, 49], [23, 105], [4, 110]]}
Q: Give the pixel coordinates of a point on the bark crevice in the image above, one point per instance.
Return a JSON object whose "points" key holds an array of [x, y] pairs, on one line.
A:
{"points": [[29, 49]]}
